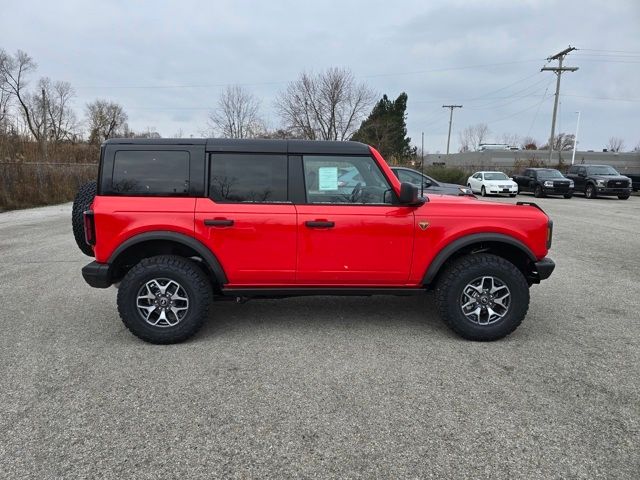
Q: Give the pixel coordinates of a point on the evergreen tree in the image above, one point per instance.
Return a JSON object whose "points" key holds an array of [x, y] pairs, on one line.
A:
{"points": [[386, 129]]}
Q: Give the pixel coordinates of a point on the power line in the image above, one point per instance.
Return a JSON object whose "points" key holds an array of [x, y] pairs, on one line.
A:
{"points": [[218, 85], [535, 117]]}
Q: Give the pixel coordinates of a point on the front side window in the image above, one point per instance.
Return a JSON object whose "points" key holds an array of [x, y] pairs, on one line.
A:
{"points": [[147, 172], [343, 179], [248, 178]]}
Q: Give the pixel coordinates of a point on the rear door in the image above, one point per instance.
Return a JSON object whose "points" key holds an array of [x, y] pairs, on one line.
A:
{"points": [[350, 229], [247, 220]]}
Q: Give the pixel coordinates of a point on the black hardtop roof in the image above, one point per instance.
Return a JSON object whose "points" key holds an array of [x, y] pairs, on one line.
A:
{"points": [[254, 145]]}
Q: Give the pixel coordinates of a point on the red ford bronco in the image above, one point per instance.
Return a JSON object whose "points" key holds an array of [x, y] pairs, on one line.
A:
{"points": [[176, 224]]}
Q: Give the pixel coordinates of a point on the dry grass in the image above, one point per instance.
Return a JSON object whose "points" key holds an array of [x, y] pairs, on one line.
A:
{"points": [[26, 180]]}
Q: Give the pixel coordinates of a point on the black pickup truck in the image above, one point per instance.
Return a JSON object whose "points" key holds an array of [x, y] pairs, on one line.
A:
{"points": [[600, 180], [544, 181]]}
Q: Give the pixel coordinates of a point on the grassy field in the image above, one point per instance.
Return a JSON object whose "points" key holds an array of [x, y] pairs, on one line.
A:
{"points": [[28, 179]]}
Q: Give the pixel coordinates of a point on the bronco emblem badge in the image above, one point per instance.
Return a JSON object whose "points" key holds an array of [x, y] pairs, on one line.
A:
{"points": [[423, 225]]}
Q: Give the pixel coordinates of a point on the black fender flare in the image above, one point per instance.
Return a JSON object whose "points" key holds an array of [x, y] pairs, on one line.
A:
{"points": [[207, 255], [446, 253]]}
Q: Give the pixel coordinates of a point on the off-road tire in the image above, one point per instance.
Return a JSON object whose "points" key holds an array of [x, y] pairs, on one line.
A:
{"points": [[186, 273], [590, 192], [568, 196], [82, 201], [538, 193], [462, 271]]}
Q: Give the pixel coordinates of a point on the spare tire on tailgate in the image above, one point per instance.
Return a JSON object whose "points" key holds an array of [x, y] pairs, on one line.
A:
{"points": [[82, 202]]}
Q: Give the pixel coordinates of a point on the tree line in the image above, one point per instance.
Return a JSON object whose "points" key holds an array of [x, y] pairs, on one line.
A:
{"points": [[330, 105]]}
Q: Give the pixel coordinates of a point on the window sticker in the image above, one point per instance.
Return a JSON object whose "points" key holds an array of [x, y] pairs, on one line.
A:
{"points": [[328, 178]]}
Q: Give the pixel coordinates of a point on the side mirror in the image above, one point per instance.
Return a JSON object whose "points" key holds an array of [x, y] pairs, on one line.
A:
{"points": [[409, 194], [426, 183]]}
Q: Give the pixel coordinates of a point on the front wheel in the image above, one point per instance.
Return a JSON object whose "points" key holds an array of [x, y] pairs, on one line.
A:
{"points": [[483, 192], [590, 192], [164, 299], [568, 195], [624, 197], [538, 193], [482, 297]]}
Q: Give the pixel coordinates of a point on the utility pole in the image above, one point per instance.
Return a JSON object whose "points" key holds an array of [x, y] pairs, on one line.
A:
{"points": [[558, 71], [450, 107], [575, 140], [44, 124]]}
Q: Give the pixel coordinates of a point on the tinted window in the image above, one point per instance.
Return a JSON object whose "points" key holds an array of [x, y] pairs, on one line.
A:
{"points": [[573, 169], [240, 177], [336, 179], [549, 174], [137, 172]]}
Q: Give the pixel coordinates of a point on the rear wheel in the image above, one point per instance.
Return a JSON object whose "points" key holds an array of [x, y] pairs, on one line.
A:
{"points": [[590, 192], [164, 299], [482, 297], [568, 195], [81, 203]]}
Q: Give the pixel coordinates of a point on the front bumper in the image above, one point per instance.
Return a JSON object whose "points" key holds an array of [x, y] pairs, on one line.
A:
{"points": [[498, 191], [614, 191], [557, 191], [97, 275], [542, 269]]}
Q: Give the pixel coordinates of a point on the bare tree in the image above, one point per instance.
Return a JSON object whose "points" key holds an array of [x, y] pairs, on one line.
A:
{"points": [[326, 106], [615, 144], [106, 120], [13, 72], [511, 139], [5, 93], [529, 143], [561, 142], [237, 114], [471, 137], [61, 119]]}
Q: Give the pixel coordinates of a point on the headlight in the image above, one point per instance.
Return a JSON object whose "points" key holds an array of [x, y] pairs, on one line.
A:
{"points": [[570, 183], [548, 183], [465, 191], [601, 183]]}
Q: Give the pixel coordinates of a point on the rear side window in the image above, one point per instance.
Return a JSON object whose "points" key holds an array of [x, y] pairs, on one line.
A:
{"points": [[148, 172], [248, 178]]}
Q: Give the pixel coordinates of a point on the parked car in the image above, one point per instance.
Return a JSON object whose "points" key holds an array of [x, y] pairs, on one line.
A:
{"points": [[600, 180], [495, 183], [430, 185], [635, 180], [544, 181], [179, 223]]}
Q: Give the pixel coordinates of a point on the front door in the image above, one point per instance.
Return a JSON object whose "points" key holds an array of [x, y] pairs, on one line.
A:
{"points": [[351, 230], [248, 221]]}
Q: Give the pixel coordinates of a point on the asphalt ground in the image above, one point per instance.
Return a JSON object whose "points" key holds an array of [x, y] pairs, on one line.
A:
{"points": [[324, 387]]}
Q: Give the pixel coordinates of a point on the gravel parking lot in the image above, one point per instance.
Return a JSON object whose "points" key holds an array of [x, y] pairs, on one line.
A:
{"points": [[324, 387]]}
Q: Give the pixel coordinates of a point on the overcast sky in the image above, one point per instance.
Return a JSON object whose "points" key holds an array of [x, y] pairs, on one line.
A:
{"points": [[166, 62]]}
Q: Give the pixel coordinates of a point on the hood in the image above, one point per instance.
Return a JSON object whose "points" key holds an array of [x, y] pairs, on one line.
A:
{"points": [[609, 177]]}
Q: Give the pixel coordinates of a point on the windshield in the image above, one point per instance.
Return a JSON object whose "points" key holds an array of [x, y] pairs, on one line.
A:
{"points": [[549, 174], [495, 176], [602, 170]]}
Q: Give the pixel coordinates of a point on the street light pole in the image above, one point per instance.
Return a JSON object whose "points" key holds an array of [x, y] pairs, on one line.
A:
{"points": [[575, 139]]}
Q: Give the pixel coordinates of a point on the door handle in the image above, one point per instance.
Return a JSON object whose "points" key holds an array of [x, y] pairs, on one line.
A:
{"points": [[218, 222], [319, 224]]}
